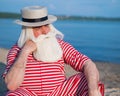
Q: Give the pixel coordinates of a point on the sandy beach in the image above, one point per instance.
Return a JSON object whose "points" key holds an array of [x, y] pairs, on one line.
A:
{"points": [[109, 75]]}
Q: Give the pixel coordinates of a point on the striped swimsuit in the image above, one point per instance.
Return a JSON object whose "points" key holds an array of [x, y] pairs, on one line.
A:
{"points": [[48, 78]]}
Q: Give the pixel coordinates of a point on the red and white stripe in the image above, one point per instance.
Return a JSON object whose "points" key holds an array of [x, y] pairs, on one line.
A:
{"points": [[45, 78]]}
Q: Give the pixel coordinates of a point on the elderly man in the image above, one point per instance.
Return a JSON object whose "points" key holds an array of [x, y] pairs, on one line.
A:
{"points": [[35, 64]]}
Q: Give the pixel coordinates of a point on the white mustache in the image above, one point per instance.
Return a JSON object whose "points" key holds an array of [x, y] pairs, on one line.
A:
{"points": [[42, 37]]}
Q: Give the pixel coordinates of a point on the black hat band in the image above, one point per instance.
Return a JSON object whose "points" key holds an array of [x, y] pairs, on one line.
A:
{"points": [[35, 20]]}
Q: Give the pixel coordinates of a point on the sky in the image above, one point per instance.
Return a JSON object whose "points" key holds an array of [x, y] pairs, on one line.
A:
{"points": [[99, 8]]}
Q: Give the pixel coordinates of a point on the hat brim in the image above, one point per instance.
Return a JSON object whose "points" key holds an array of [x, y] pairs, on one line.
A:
{"points": [[50, 20]]}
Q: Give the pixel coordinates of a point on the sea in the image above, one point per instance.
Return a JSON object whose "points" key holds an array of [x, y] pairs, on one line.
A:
{"points": [[99, 40]]}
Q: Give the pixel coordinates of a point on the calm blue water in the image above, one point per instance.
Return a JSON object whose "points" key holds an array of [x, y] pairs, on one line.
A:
{"points": [[100, 40]]}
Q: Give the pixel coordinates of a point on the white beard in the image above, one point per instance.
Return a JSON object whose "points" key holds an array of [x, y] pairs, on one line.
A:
{"points": [[48, 48]]}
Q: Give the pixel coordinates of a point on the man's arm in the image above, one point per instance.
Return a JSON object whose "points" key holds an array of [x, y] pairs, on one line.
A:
{"points": [[92, 76], [15, 75]]}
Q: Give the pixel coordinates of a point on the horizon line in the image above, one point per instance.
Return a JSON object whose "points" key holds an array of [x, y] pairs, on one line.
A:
{"points": [[63, 17]]}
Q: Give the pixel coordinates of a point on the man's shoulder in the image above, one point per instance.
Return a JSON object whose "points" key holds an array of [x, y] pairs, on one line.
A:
{"points": [[15, 47], [64, 43], [60, 41]]}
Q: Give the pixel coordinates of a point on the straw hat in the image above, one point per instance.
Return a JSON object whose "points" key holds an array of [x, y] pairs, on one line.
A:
{"points": [[33, 16]]}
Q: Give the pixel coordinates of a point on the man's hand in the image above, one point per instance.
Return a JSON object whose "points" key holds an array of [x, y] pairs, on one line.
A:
{"points": [[29, 47]]}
